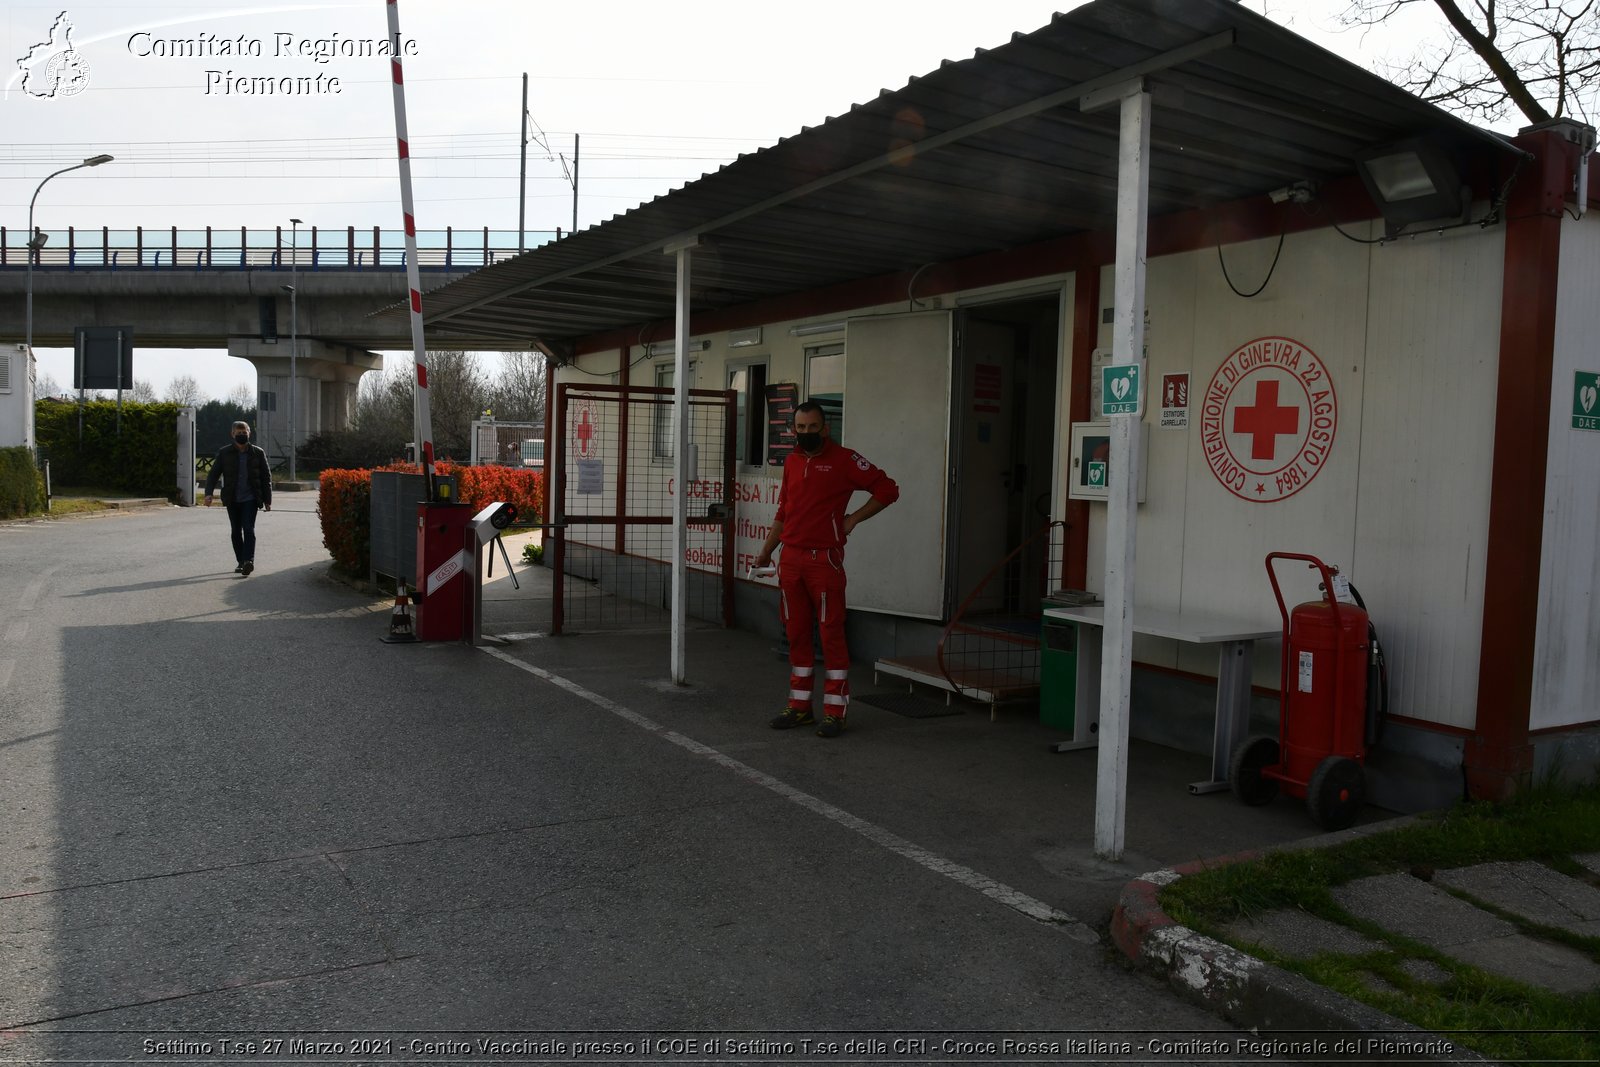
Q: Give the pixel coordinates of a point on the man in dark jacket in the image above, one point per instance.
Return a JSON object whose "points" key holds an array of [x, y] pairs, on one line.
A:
{"points": [[246, 487]]}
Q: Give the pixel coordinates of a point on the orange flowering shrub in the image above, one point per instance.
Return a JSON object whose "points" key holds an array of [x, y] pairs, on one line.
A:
{"points": [[344, 503], [483, 485]]}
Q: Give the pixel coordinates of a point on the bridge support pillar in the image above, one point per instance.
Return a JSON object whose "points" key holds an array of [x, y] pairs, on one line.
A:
{"points": [[326, 379]]}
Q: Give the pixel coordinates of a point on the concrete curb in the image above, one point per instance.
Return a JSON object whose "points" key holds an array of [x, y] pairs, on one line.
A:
{"points": [[146, 502], [1252, 993]]}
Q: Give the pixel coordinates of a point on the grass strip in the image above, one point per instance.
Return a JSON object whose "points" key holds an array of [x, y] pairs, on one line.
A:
{"points": [[1496, 1016]]}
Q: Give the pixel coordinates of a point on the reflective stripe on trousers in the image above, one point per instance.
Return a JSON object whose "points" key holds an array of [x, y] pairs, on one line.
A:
{"points": [[811, 584]]}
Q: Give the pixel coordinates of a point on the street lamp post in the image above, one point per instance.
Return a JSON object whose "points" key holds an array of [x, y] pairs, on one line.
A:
{"points": [[36, 239], [294, 337]]}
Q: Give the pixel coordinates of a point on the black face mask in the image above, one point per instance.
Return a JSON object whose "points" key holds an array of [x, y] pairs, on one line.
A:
{"points": [[242, 438], [808, 442]]}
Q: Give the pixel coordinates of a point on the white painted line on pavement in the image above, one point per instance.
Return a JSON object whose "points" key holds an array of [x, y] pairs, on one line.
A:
{"points": [[1014, 899], [31, 593]]}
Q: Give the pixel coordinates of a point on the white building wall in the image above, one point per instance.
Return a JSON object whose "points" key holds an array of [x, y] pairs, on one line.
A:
{"points": [[1422, 513], [1409, 333], [1566, 679]]}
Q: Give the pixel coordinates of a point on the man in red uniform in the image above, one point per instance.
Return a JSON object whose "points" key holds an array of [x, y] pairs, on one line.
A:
{"points": [[819, 478]]}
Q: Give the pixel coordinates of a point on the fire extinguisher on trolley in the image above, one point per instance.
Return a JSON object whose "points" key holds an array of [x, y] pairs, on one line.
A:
{"points": [[1332, 701]]}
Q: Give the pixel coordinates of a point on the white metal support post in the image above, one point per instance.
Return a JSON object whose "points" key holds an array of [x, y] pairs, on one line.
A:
{"points": [[1122, 521], [294, 342], [683, 474]]}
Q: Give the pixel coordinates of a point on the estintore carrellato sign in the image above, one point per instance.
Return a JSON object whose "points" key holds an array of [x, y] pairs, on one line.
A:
{"points": [[1268, 419]]}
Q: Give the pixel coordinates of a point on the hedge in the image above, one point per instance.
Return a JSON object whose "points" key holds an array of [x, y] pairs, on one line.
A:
{"points": [[344, 503], [21, 484], [139, 460]]}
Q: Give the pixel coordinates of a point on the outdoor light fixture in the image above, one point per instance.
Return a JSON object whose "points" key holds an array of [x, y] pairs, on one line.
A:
{"points": [[1412, 181], [36, 241], [668, 348], [812, 328]]}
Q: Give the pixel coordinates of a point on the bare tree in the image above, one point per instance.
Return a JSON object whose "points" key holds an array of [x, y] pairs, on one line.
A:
{"points": [[1538, 57], [46, 385], [458, 391], [518, 394], [243, 395], [185, 391], [142, 392]]}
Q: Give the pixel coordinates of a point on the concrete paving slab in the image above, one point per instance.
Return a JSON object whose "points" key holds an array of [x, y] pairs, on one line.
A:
{"points": [[1295, 933], [1415, 909], [1538, 963], [1425, 913], [1590, 860], [1533, 891]]}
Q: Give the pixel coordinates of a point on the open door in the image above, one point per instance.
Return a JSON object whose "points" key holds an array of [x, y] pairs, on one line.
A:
{"points": [[897, 413]]}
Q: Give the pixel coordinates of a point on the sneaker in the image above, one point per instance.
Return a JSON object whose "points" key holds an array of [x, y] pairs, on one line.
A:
{"points": [[239, 569], [247, 566], [832, 726], [791, 718]]}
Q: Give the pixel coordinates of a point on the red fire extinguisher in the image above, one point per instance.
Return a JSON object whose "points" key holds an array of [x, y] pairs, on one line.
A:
{"points": [[1331, 696]]}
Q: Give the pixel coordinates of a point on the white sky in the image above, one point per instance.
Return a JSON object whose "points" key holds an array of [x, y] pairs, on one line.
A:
{"points": [[661, 93]]}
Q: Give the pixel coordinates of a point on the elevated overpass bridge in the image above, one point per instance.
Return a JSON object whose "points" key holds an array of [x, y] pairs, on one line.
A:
{"points": [[225, 289]]}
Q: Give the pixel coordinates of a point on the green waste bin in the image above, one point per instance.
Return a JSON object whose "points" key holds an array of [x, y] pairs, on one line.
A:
{"points": [[1058, 673]]}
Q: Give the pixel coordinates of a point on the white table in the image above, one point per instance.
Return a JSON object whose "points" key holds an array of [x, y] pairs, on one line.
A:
{"points": [[1236, 638]]}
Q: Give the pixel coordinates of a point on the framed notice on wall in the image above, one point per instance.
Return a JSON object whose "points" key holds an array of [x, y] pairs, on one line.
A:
{"points": [[782, 398]]}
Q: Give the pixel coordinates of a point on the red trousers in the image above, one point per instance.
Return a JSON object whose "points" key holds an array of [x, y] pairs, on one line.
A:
{"points": [[811, 586]]}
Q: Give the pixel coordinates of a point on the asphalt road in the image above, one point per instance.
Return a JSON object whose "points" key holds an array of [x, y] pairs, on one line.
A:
{"points": [[232, 814]]}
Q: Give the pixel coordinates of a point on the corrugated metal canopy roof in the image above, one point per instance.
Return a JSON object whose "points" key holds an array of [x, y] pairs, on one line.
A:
{"points": [[984, 154]]}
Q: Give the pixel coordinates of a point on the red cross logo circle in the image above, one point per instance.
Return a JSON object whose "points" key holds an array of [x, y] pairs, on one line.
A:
{"points": [[1268, 419], [583, 429]]}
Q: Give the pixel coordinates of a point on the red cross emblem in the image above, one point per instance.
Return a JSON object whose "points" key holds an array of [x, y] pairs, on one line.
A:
{"points": [[585, 429], [1268, 419], [1265, 421]]}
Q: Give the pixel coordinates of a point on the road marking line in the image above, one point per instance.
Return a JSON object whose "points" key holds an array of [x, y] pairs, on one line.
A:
{"points": [[35, 587], [1014, 899]]}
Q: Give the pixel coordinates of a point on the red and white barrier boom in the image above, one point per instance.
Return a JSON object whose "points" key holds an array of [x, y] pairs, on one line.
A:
{"points": [[421, 415]]}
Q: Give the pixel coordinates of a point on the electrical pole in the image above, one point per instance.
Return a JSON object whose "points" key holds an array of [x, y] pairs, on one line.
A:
{"points": [[522, 184]]}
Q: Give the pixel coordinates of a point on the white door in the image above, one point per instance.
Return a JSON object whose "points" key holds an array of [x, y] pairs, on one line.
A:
{"points": [[897, 410]]}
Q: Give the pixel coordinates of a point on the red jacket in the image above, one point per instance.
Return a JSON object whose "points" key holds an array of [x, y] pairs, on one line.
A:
{"points": [[817, 489]]}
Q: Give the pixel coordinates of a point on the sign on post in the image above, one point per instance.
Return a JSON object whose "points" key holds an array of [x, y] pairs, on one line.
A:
{"points": [[1119, 389]]}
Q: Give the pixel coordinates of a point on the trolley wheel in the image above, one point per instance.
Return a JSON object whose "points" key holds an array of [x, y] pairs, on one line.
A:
{"points": [[1336, 791], [1250, 757]]}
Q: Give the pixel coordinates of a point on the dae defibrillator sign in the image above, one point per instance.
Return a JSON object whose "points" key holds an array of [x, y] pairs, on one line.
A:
{"points": [[1585, 400], [1119, 389]]}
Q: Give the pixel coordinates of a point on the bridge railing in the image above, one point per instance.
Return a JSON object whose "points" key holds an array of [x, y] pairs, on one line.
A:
{"points": [[312, 249]]}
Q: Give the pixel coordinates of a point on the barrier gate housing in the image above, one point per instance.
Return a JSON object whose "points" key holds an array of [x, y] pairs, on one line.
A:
{"points": [[613, 480]]}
